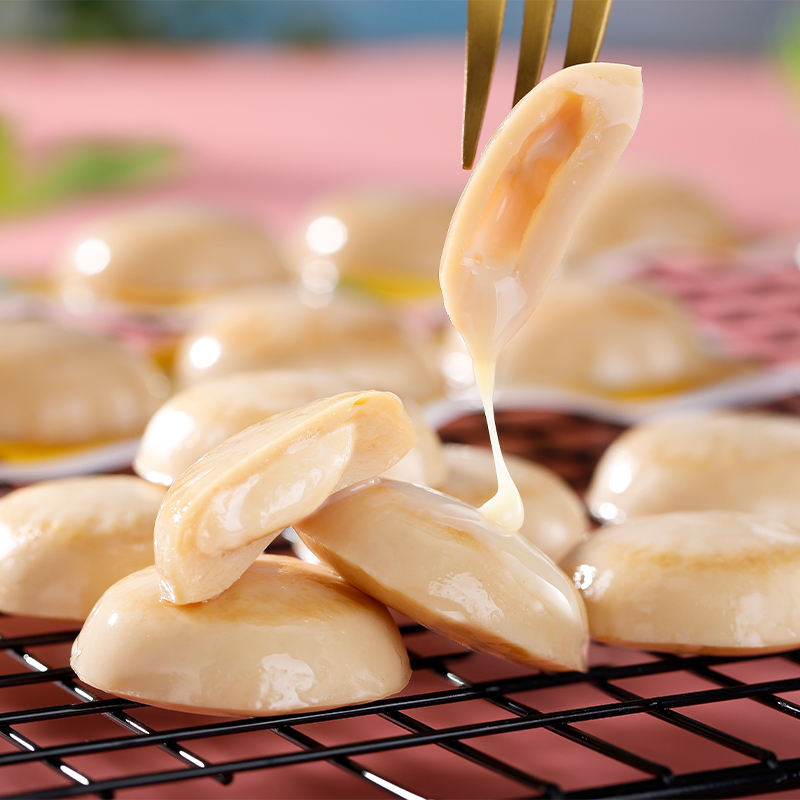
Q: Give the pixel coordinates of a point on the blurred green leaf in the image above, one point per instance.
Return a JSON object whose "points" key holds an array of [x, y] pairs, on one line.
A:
{"points": [[78, 169], [788, 43]]}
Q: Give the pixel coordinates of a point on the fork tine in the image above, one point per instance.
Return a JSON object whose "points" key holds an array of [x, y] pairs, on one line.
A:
{"points": [[586, 30], [537, 22], [484, 28]]}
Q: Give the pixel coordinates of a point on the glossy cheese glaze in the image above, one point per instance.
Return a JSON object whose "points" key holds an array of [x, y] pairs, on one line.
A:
{"points": [[286, 637], [439, 561]]}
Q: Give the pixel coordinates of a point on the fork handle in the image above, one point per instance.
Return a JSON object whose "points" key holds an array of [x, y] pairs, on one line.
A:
{"points": [[586, 30], [484, 28], [537, 22]]}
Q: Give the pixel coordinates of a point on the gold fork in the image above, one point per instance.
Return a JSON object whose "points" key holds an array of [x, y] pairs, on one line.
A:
{"points": [[484, 27]]}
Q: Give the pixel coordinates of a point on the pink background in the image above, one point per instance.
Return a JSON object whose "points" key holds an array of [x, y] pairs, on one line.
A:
{"points": [[267, 130]]}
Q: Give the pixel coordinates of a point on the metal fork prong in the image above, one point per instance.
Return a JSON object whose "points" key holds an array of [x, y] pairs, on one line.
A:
{"points": [[586, 30], [484, 29], [537, 22]]}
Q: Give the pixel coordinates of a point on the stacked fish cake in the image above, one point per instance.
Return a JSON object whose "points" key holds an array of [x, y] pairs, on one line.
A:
{"points": [[218, 516], [701, 550]]}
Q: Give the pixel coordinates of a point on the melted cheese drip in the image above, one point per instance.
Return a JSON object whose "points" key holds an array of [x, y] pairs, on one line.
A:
{"points": [[496, 299], [505, 508]]}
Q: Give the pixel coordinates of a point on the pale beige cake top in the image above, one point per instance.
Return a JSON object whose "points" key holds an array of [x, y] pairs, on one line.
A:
{"points": [[275, 328], [646, 213], [388, 241], [286, 637], [62, 386], [64, 542], [703, 581], [741, 461], [164, 255]]}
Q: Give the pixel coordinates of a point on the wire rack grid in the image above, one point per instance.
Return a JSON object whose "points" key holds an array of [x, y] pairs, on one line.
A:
{"points": [[467, 726], [637, 725]]}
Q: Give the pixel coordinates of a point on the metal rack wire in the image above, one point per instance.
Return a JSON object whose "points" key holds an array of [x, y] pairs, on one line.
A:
{"points": [[497, 728], [637, 725]]}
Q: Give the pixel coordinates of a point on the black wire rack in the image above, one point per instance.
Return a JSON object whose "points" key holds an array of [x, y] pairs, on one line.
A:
{"points": [[637, 725]]}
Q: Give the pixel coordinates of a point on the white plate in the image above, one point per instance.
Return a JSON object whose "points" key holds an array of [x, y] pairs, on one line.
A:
{"points": [[104, 458], [755, 388]]}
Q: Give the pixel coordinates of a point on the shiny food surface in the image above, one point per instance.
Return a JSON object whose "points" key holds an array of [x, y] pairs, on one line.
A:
{"points": [[276, 328], [65, 387], [286, 637], [224, 510], [740, 461], [513, 221], [64, 542], [438, 561], [387, 242], [202, 416], [623, 341], [163, 255], [696, 582], [523, 199]]}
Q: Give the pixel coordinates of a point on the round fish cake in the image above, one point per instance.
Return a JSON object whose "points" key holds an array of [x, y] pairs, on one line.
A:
{"points": [[717, 582], [64, 542], [273, 328], [620, 341], [161, 256], [286, 637], [63, 387], [383, 241], [640, 214], [740, 461]]}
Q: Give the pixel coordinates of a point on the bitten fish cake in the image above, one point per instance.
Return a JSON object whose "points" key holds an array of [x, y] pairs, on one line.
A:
{"points": [[740, 461], [286, 637], [440, 562], [717, 582], [223, 511], [205, 414], [555, 520], [202, 416], [64, 542], [526, 193], [517, 212]]}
